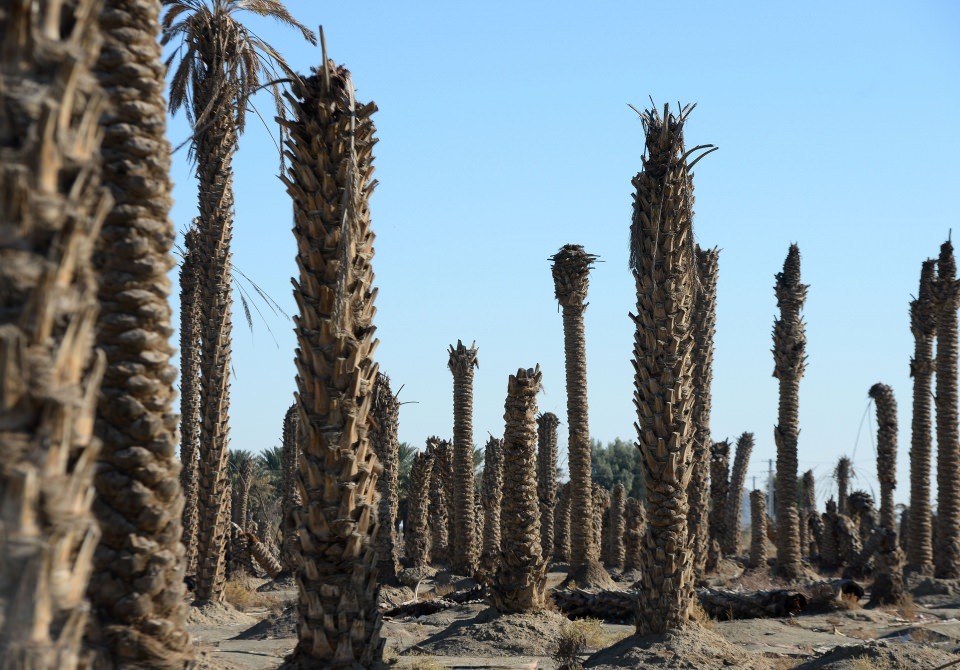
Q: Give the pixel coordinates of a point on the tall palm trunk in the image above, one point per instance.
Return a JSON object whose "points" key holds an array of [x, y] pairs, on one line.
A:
{"points": [[924, 326], [139, 503], [888, 568], [289, 494], [735, 495], [561, 525], [948, 440], [636, 529], [190, 393], [758, 535], [331, 142], [439, 498], [719, 490], [663, 264], [808, 512], [547, 478], [492, 498], [462, 362], [383, 438], [789, 355], [416, 529], [842, 475], [601, 520], [618, 502], [704, 328], [521, 576], [51, 210], [571, 279]]}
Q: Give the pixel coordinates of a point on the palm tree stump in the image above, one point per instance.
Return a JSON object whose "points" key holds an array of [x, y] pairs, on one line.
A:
{"points": [[561, 525], [735, 495], [416, 531], [440, 503], [758, 534], [719, 493], [636, 528], [491, 498], [842, 475], [617, 527], [547, 424]]}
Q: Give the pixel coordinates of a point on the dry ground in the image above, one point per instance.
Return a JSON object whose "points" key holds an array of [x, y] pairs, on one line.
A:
{"points": [[924, 635]]}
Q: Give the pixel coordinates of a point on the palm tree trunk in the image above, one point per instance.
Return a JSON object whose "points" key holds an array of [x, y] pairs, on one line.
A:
{"points": [[571, 278], [888, 568], [521, 576], [617, 527], [289, 494], [636, 529], [829, 543], [51, 208], [547, 478], [924, 326], [331, 142], [704, 329], [842, 475], [948, 440], [719, 491], [383, 438], [808, 510], [416, 530], [462, 362], [492, 499], [190, 393], [789, 347], [601, 521], [561, 525], [439, 499], [758, 534], [663, 264], [735, 496]]}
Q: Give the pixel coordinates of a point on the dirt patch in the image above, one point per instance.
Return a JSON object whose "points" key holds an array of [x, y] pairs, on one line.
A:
{"points": [[694, 647], [880, 656], [394, 596], [272, 628], [215, 614], [282, 583], [490, 634]]}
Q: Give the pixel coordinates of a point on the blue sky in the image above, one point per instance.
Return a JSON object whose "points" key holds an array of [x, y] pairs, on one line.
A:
{"points": [[505, 133]]}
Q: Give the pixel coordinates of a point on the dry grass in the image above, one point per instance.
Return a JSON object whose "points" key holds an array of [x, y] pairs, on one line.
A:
{"points": [[572, 645], [241, 593], [700, 616], [863, 663], [426, 664], [908, 608]]}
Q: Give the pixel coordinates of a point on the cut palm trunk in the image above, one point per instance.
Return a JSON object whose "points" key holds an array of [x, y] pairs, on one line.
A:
{"points": [[491, 498], [719, 492], [462, 362], [190, 393], [547, 478], [758, 535], [383, 438], [663, 265], [738, 476], [416, 530], [617, 527], [561, 525], [330, 146], [440, 505], [948, 439], [888, 578], [51, 209], [289, 493]]}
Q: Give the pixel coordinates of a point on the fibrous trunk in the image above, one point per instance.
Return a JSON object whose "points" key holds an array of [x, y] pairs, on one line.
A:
{"points": [[547, 478], [704, 329], [735, 495], [289, 493], [948, 441], [190, 392], [808, 511], [829, 549], [439, 498], [462, 362], [617, 527], [331, 143], [636, 528], [383, 438], [601, 521], [51, 210], [520, 578], [491, 496], [842, 475], [719, 490], [758, 534], [663, 264], [888, 566], [789, 355], [924, 326], [416, 531], [561, 525]]}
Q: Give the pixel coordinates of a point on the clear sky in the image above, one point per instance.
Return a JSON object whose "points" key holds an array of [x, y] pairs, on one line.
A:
{"points": [[505, 133]]}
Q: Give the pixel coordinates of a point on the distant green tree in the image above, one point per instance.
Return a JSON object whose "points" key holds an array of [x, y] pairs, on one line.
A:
{"points": [[405, 453], [617, 462]]}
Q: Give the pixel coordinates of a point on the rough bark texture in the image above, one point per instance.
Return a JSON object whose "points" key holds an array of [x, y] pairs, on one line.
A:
{"points": [[719, 490], [886, 450], [561, 525], [571, 280], [416, 529], [758, 535], [289, 493], [491, 497], [849, 547], [547, 478], [924, 326], [383, 439], [663, 264], [239, 511], [331, 143], [51, 210], [601, 505], [190, 393], [462, 362], [863, 513], [439, 499], [948, 441], [617, 527], [829, 551], [137, 587], [842, 475], [888, 585], [262, 555], [808, 511], [704, 329], [636, 523], [789, 355], [521, 576], [735, 496]]}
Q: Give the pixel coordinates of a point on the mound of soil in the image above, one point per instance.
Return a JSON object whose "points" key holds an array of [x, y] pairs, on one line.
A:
{"points": [[394, 596], [283, 583], [214, 614], [272, 628], [490, 633], [881, 656], [693, 647]]}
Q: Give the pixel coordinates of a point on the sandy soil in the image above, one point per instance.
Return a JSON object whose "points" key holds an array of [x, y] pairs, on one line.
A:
{"points": [[923, 635]]}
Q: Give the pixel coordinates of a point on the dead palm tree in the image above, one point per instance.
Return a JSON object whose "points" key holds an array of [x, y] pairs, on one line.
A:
{"points": [[190, 393], [139, 501], [462, 362], [561, 525], [636, 528], [289, 494], [948, 441], [758, 535], [924, 326], [842, 474], [330, 146], [571, 279], [521, 575], [790, 358], [808, 512], [491, 498], [888, 566], [440, 503], [735, 495], [416, 530], [52, 206], [719, 490], [547, 478], [704, 328], [383, 438], [220, 65], [618, 502], [664, 268]]}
